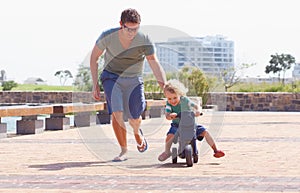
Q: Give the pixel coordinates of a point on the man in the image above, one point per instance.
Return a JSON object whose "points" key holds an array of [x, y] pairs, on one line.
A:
{"points": [[125, 49]]}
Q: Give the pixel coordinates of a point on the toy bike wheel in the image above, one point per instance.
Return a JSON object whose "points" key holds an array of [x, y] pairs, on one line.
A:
{"points": [[188, 155], [195, 158], [174, 155]]}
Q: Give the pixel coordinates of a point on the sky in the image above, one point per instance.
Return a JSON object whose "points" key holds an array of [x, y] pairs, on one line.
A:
{"points": [[40, 37]]}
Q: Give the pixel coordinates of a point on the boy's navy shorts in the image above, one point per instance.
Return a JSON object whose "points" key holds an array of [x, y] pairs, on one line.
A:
{"points": [[199, 130]]}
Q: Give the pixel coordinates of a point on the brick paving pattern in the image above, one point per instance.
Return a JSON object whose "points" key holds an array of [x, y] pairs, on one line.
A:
{"points": [[262, 155]]}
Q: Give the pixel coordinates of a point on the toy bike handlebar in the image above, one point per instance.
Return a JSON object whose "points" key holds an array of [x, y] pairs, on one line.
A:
{"points": [[191, 112]]}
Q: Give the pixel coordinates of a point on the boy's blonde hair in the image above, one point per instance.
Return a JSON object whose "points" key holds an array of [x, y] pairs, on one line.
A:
{"points": [[176, 87]]}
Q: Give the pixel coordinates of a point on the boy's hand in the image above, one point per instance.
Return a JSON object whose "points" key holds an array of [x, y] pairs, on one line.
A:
{"points": [[197, 113], [173, 115]]}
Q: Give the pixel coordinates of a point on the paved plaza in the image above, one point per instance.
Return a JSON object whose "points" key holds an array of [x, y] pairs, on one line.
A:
{"points": [[262, 155]]}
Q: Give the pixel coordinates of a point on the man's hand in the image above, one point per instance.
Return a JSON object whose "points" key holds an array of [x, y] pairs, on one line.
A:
{"points": [[96, 92], [96, 53]]}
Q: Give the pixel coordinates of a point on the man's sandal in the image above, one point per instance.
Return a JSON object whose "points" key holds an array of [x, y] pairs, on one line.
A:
{"points": [[120, 158], [144, 145]]}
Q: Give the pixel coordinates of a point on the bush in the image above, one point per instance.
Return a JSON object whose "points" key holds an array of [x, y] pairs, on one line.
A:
{"points": [[8, 85], [38, 88], [275, 88]]}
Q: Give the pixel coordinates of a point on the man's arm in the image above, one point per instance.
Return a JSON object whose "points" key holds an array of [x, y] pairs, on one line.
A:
{"points": [[157, 70], [96, 53]]}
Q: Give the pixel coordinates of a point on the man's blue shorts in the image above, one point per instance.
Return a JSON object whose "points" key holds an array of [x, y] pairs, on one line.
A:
{"points": [[199, 130], [124, 94]]}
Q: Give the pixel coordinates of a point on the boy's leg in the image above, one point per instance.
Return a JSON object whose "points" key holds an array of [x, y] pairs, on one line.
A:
{"points": [[209, 140], [170, 137], [202, 133], [168, 143]]}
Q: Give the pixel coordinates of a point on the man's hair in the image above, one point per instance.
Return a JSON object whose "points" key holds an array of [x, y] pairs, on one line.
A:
{"points": [[130, 15]]}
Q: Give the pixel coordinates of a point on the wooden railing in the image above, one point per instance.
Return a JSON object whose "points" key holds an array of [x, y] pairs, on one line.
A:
{"points": [[29, 124], [85, 114]]}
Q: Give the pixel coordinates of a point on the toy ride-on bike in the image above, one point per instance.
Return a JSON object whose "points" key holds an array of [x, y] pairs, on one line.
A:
{"points": [[186, 137]]}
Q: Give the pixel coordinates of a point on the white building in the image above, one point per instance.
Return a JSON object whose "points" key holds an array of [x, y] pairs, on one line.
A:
{"points": [[296, 71], [2, 76], [35, 81], [212, 54]]}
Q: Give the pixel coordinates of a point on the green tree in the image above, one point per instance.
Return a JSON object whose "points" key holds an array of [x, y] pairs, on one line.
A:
{"points": [[83, 80], [151, 86], [63, 76], [280, 63], [195, 80], [8, 85]]}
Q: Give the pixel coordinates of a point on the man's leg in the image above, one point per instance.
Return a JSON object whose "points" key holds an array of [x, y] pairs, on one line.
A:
{"points": [[135, 124], [139, 138], [120, 131]]}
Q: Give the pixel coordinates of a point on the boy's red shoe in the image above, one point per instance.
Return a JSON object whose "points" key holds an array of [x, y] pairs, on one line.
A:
{"points": [[219, 154]]}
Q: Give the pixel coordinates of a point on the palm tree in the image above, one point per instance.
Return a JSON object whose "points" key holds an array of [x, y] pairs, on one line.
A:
{"points": [[63, 76]]}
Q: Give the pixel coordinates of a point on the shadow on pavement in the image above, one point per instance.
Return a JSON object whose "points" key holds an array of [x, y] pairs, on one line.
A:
{"points": [[61, 166], [171, 165]]}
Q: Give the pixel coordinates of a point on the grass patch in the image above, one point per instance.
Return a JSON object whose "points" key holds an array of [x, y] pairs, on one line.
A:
{"points": [[240, 87], [30, 87], [265, 87]]}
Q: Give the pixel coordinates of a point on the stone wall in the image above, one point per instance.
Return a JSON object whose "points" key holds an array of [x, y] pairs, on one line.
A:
{"points": [[257, 101], [11, 97], [260, 101]]}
